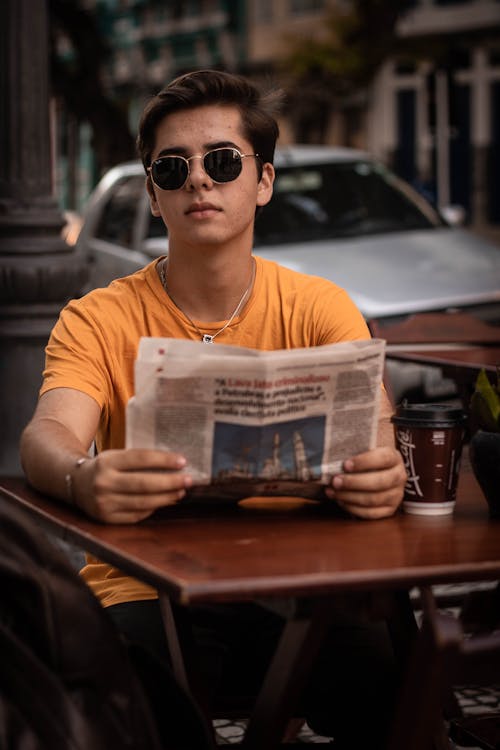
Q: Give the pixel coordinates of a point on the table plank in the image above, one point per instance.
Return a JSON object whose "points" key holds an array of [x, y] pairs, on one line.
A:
{"points": [[472, 358], [437, 327]]}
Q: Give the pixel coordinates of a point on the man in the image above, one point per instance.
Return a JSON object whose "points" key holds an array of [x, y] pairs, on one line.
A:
{"points": [[207, 144]]}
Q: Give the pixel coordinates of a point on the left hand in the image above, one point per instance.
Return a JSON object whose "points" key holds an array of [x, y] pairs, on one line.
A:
{"points": [[372, 483]]}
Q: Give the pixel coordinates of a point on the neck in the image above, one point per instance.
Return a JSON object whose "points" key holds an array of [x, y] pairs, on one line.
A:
{"points": [[209, 291]]}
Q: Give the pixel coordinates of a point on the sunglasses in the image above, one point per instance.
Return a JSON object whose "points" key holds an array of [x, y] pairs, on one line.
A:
{"points": [[220, 164]]}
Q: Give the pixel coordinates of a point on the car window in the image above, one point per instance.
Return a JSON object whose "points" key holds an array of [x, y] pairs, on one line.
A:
{"points": [[118, 215], [346, 199]]}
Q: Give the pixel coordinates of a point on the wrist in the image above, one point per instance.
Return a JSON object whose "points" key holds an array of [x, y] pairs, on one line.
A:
{"points": [[70, 477]]}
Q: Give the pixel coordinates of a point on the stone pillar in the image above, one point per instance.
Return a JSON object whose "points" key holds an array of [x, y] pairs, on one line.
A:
{"points": [[38, 271]]}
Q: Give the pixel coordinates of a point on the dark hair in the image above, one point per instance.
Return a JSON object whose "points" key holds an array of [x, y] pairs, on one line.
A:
{"points": [[203, 87]]}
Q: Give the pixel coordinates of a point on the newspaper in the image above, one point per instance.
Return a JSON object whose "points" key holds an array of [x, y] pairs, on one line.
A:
{"points": [[254, 423]]}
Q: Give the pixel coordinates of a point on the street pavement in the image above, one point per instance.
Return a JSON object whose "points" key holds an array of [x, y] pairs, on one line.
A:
{"points": [[473, 700]]}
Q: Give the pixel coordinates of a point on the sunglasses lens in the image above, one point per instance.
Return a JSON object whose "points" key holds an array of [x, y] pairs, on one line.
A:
{"points": [[223, 164], [169, 172]]}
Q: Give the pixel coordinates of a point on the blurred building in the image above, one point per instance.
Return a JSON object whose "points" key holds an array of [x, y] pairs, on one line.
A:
{"points": [[149, 42], [433, 114], [438, 120], [273, 24], [154, 40]]}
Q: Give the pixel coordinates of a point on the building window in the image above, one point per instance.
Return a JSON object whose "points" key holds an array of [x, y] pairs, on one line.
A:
{"points": [[183, 48], [405, 67], [459, 58], [494, 55], [192, 8], [298, 7], [264, 11]]}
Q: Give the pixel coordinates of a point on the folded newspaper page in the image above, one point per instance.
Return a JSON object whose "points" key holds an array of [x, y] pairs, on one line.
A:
{"points": [[254, 423]]}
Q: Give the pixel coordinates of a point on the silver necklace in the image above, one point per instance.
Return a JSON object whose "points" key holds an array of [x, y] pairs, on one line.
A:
{"points": [[206, 337]]}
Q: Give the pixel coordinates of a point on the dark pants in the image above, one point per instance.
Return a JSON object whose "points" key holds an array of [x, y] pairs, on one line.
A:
{"points": [[350, 695]]}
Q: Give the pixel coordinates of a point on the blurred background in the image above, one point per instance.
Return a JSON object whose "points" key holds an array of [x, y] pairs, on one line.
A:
{"points": [[414, 82]]}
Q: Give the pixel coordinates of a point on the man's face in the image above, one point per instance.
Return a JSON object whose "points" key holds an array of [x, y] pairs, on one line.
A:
{"points": [[204, 212]]}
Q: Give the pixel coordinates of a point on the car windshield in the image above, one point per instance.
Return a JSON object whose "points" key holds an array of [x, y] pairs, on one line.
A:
{"points": [[345, 199]]}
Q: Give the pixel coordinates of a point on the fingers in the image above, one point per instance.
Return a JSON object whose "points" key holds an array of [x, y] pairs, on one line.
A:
{"points": [[372, 484], [132, 508], [139, 459], [378, 458], [125, 486]]}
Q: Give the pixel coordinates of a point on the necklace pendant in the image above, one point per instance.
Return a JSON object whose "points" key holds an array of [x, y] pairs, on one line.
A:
{"points": [[207, 339]]}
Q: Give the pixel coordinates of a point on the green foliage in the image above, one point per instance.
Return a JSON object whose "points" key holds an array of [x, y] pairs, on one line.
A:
{"points": [[485, 403], [358, 40]]}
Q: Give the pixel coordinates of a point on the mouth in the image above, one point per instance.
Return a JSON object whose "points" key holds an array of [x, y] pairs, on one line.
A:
{"points": [[202, 209]]}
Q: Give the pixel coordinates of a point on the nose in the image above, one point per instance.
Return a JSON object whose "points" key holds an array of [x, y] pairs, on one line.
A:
{"points": [[197, 176]]}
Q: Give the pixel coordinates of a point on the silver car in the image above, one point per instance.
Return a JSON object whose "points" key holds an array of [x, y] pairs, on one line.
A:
{"points": [[335, 213]]}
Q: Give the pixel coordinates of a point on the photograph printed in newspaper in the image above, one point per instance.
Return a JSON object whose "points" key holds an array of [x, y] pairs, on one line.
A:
{"points": [[254, 423]]}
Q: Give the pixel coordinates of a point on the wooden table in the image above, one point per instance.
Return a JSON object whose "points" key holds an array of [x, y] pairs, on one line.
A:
{"points": [[461, 363], [468, 359], [280, 548]]}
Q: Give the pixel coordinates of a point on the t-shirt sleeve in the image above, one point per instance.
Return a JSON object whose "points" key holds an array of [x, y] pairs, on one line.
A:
{"points": [[336, 317], [78, 355]]}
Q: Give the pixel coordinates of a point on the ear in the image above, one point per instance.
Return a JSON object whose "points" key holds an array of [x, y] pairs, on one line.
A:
{"points": [[150, 187], [265, 186]]}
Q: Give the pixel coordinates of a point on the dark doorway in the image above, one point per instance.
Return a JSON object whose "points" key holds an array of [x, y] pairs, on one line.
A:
{"points": [[494, 157], [460, 146], [404, 156]]}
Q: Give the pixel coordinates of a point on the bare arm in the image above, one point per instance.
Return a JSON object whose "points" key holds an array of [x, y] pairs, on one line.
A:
{"points": [[373, 482], [113, 486]]}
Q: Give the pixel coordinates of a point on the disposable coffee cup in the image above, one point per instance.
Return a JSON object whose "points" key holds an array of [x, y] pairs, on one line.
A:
{"points": [[430, 438]]}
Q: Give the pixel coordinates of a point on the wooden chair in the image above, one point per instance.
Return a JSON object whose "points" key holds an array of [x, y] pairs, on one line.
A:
{"points": [[479, 665], [434, 328], [450, 651]]}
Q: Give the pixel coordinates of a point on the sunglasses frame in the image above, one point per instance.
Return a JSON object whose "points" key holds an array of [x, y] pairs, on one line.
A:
{"points": [[202, 157]]}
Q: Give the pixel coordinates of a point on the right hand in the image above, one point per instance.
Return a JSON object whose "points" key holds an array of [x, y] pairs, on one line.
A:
{"points": [[126, 486]]}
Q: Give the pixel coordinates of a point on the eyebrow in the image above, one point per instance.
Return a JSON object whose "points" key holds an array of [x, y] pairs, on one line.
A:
{"points": [[183, 151]]}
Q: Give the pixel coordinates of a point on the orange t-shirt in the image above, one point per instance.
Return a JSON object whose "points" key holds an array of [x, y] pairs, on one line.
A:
{"points": [[93, 347]]}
